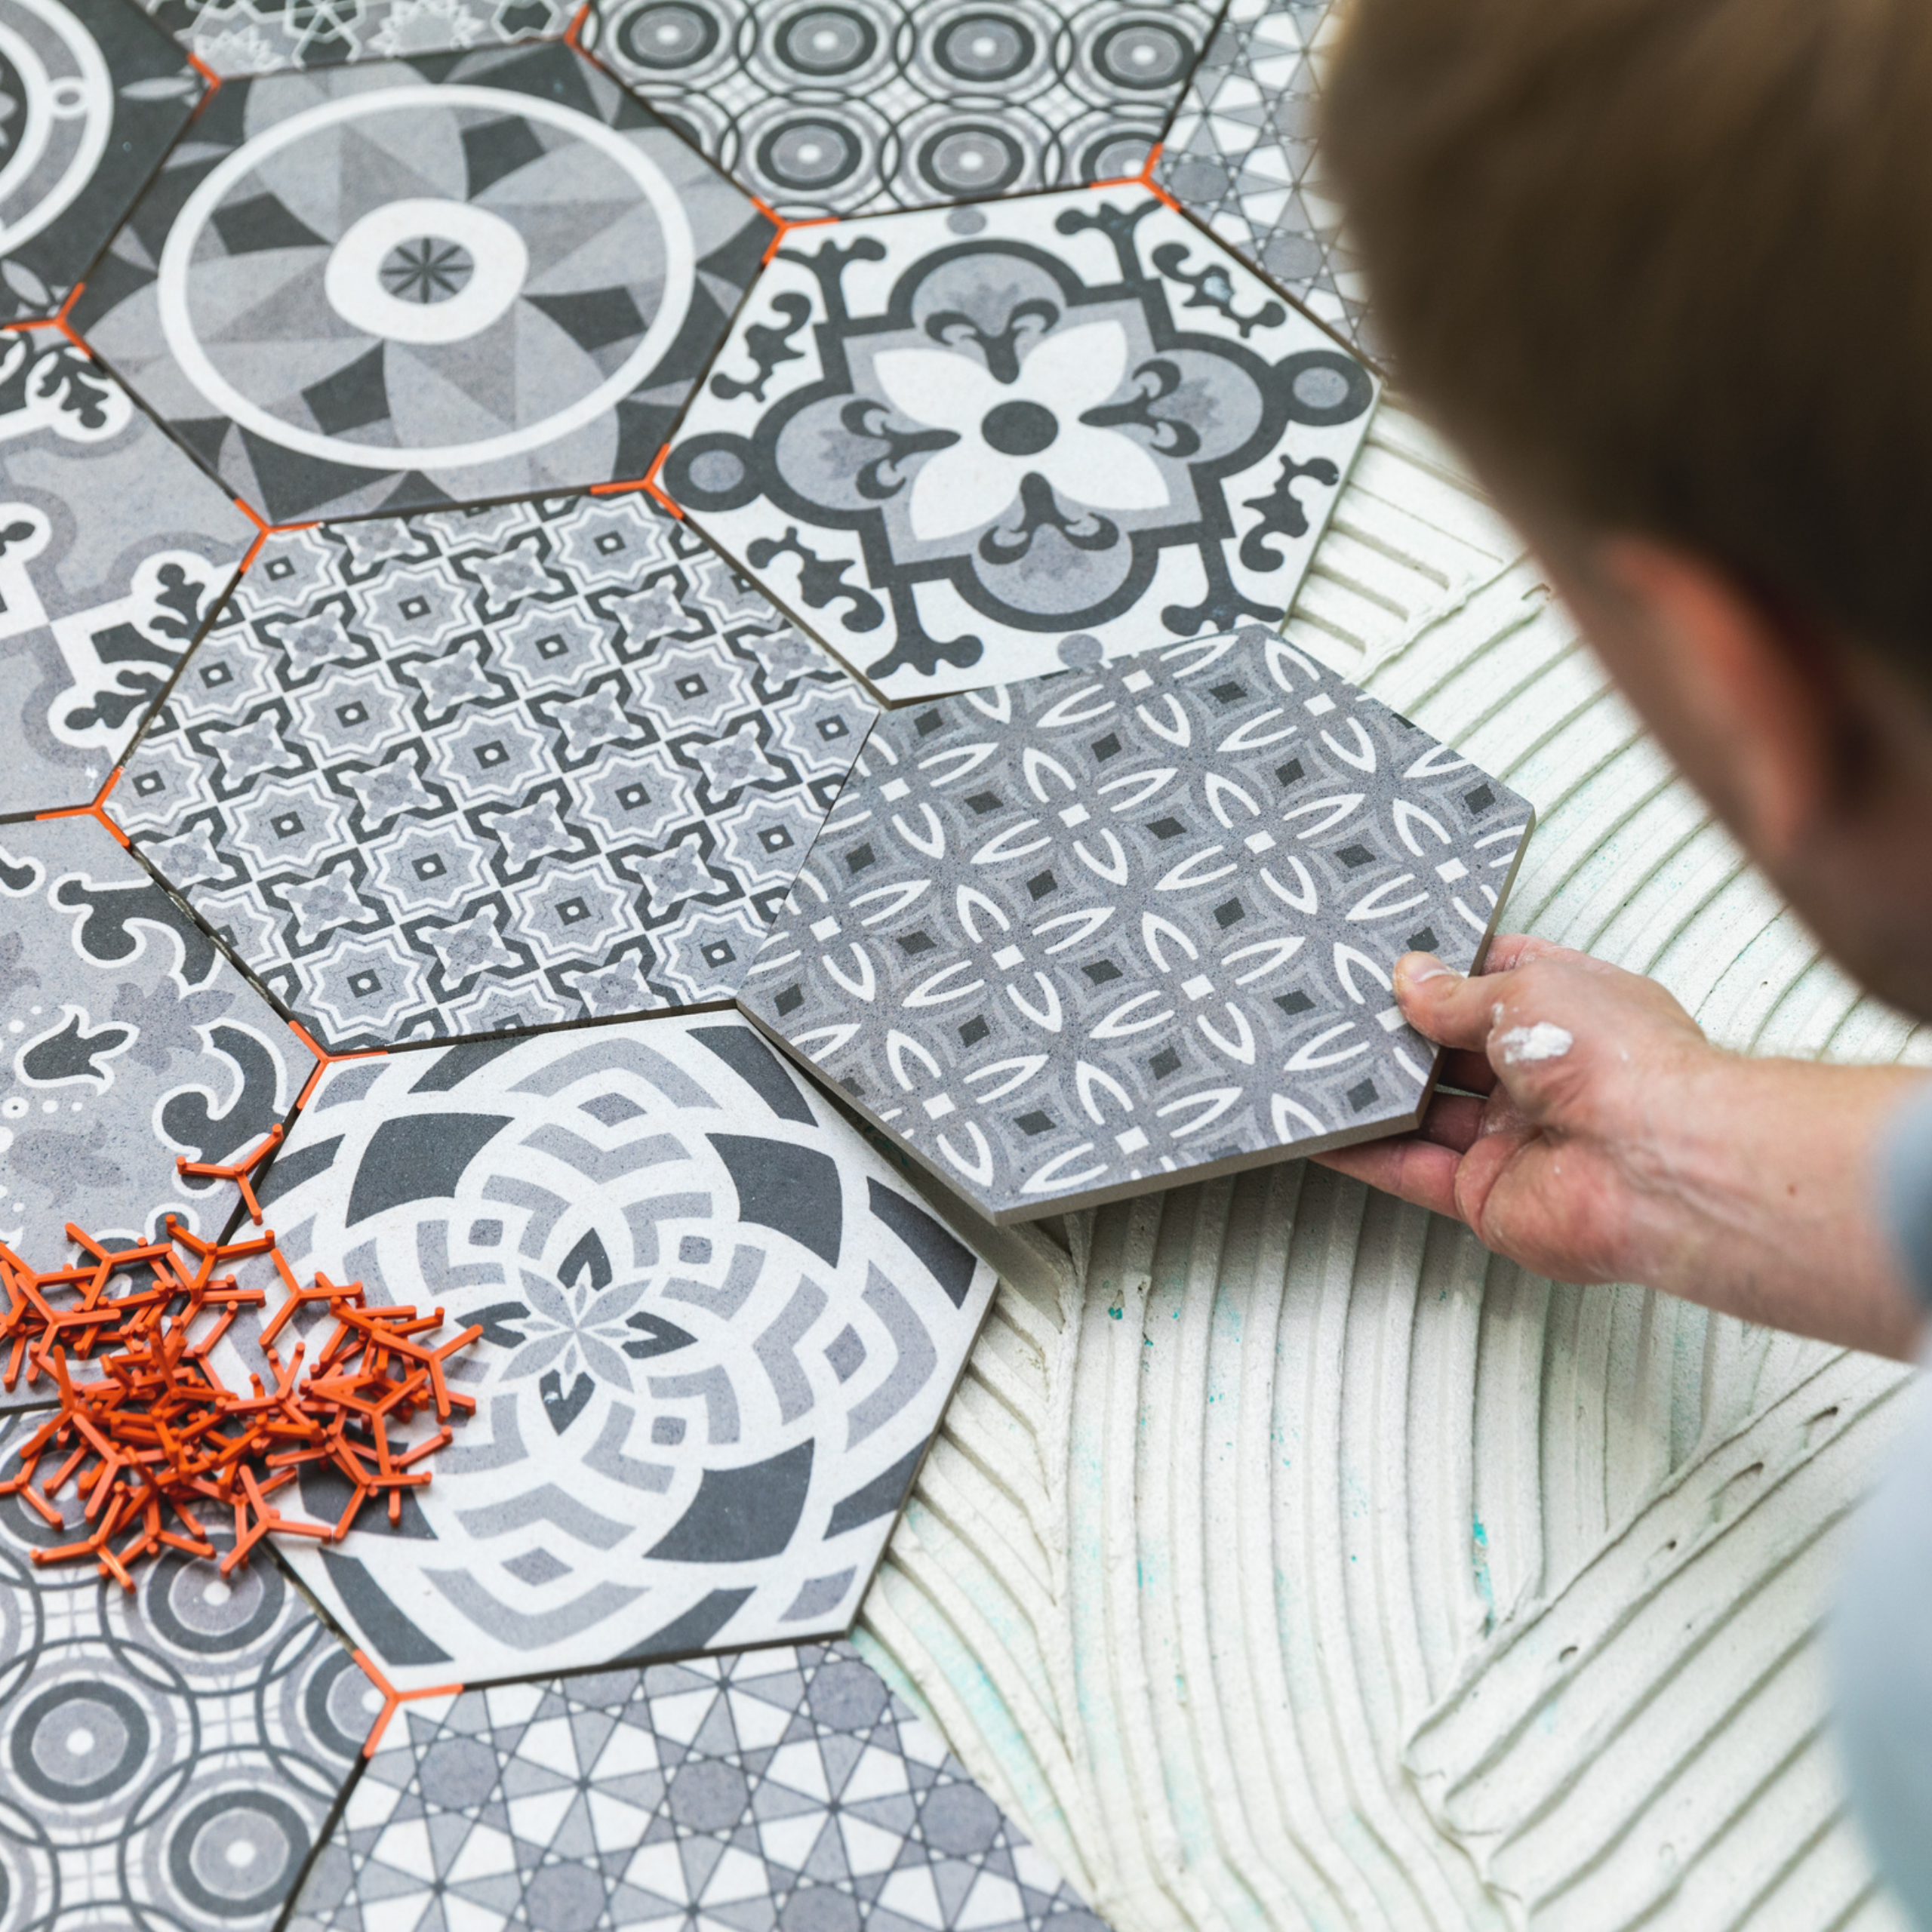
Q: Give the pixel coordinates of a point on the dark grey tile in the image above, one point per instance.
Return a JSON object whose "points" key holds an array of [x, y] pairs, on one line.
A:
{"points": [[1082, 937]]}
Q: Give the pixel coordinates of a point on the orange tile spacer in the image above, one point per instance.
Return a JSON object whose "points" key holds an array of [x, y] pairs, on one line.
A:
{"points": [[242, 1172], [784, 226], [393, 1700], [324, 1058], [66, 309], [207, 73], [98, 809]]}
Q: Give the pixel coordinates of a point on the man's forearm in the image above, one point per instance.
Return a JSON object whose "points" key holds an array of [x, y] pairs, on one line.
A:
{"points": [[1765, 1202]]}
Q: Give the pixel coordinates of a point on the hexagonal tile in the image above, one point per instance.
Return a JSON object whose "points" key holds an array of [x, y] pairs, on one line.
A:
{"points": [[787, 1788], [871, 104], [388, 287], [1087, 937], [168, 1758], [493, 768], [96, 95], [239, 38], [1241, 157], [717, 1334], [129, 1040], [982, 443], [115, 549]]}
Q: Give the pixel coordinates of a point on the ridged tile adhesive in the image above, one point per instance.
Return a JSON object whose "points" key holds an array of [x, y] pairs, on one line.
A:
{"points": [[1287, 1560]]}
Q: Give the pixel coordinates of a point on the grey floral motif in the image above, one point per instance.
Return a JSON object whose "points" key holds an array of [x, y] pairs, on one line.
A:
{"points": [[1017, 436], [493, 768], [115, 549], [126, 1041]]}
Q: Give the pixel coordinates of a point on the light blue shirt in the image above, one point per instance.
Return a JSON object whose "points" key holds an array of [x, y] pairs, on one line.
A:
{"points": [[1882, 1630]]}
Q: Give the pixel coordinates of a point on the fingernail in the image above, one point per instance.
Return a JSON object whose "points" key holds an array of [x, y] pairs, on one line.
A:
{"points": [[1413, 969]]}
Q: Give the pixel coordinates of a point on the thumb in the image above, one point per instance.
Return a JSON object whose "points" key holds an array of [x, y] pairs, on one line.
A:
{"points": [[1444, 1005]]}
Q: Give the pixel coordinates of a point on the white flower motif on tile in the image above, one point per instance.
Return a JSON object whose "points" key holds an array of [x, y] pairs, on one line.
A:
{"points": [[1030, 424]]}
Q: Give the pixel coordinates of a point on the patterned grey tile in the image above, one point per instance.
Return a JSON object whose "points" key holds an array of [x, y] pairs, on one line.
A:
{"points": [[493, 768], [91, 96], [717, 1334], [863, 105], [987, 442], [240, 37], [391, 286], [128, 1040], [1075, 939], [785, 1788], [1241, 156], [168, 1758], [115, 549]]}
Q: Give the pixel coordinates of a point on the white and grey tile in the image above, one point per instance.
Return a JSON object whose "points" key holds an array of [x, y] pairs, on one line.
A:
{"points": [[483, 769], [717, 1334], [780, 1790], [975, 444], [115, 549], [126, 1041], [169, 1758], [393, 286], [858, 105], [91, 96], [1085, 937], [1242, 158], [238, 38]]}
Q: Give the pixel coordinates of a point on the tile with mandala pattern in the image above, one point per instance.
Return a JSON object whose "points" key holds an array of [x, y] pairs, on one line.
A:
{"points": [[115, 549], [234, 38], [1241, 157], [92, 96], [850, 106], [719, 1332], [1083, 937], [168, 1757], [776, 1790], [396, 285], [127, 1040], [492, 768], [979, 444]]}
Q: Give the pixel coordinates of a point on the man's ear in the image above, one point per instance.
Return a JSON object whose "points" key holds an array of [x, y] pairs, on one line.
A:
{"points": [[1747, 705]]}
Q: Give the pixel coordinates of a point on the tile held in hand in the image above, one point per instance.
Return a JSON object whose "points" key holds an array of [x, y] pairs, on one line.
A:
{"points": [[1086, 936]]}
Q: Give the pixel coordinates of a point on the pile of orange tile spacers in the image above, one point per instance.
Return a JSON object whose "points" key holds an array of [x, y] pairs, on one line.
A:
{"points": [[158, 1437]]}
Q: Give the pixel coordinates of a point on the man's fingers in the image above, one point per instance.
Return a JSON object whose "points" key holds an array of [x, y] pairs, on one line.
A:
{"points": [[1440, 1004], [1470, 1072], [1411, 1168], [1455, 1120]]}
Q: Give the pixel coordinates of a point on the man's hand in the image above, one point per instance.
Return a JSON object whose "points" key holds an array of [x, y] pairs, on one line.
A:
{"points": [[1612, 1142]]}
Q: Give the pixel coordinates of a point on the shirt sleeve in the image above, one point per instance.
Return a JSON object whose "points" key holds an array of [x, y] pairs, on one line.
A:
{"points": [[1906, 1189]]}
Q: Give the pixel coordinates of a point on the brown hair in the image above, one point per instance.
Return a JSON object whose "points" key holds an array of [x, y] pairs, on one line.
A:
{"points": [[1666, 266]]}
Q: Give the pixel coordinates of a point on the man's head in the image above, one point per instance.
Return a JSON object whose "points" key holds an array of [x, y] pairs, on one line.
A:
{"points": [[1664, 269]]}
